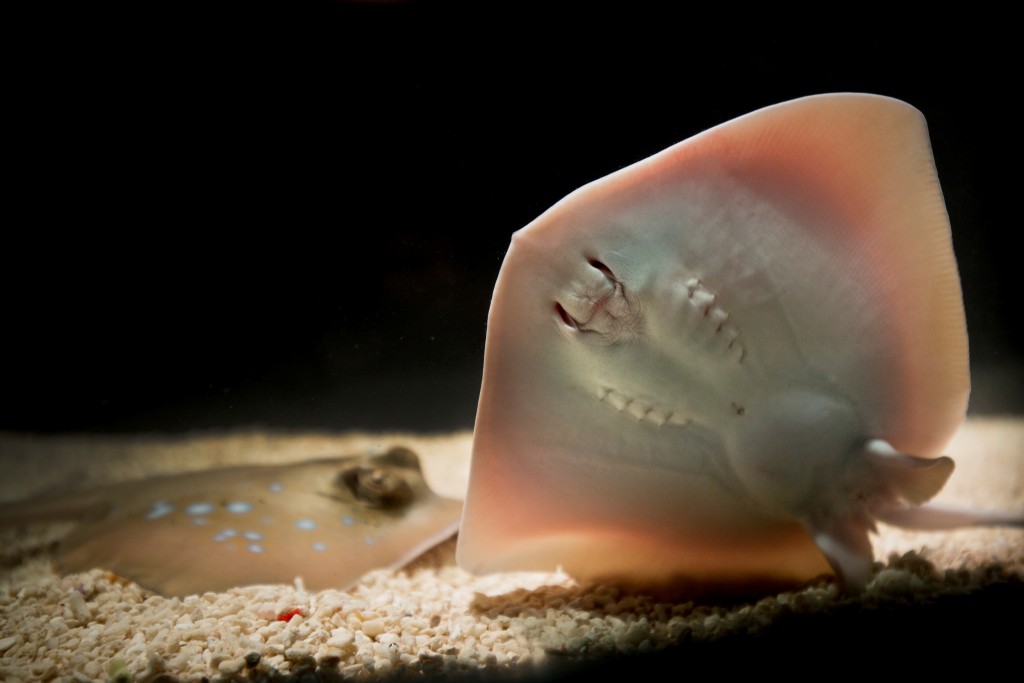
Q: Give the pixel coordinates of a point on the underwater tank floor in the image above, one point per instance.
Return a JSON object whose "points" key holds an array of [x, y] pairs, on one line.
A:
{"points": [[946, 591]]}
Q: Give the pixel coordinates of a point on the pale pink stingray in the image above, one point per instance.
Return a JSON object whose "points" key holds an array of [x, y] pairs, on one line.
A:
{"points": [[723, 363]]}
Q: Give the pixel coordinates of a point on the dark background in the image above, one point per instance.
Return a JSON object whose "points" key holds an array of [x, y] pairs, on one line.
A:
{"points": [[291, 214]]}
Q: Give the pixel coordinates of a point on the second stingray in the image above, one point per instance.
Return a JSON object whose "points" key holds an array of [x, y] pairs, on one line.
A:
{"points": [[327, 521]]}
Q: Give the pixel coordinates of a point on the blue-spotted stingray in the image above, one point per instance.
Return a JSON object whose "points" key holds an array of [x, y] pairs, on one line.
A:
{"points": [[327, 521]]}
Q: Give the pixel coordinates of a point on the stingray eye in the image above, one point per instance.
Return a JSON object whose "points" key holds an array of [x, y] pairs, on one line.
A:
{"points": [[376, 487]]}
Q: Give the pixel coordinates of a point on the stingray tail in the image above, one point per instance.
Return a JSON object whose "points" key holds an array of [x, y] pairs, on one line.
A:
{"points": [[74, 506], [914, 481], [894, 492], [939, 517]]}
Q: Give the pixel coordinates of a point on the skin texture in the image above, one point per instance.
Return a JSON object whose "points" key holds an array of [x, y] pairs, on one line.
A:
{"points": [[328, 521], [719, 366]]}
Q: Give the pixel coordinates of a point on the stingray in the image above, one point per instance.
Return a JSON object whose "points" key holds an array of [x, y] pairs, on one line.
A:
{"points": [[724, 363], [328, 521]]}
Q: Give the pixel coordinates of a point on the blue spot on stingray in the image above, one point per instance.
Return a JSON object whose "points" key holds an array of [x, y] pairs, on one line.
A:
{"points": [[200, 521], [255, 548], [196, 509], [225, 534], [276, 487], [370, 540], [159, 509], [253, 535], [347, 521], [319, 547], [305, 524], [238, 507]]}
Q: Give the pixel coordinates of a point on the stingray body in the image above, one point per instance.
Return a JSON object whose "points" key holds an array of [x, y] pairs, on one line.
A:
{"points": [[722, 364], [327, 521]]}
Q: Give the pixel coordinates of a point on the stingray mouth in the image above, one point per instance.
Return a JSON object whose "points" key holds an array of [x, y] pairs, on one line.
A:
{"points": [[596, 308]]}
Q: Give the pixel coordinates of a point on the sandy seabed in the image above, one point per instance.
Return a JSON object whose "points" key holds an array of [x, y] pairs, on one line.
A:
{"points": [[936, 597]]}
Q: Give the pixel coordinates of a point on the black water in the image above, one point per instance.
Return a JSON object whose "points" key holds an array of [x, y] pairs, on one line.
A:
{"points": [[292, 214]]}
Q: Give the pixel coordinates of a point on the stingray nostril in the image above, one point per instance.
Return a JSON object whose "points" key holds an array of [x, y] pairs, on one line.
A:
{"points": [[602, 267], [566, 318]]}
